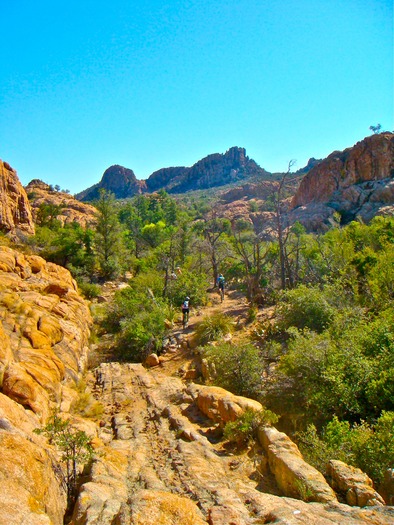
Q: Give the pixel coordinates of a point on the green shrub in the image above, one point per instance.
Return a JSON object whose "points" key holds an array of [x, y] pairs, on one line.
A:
{"points": [[141, 334], [190, 284], [244, 429], [213, 327], [239, 368], [305, 307], [76, 447], [89, 290], [368, 447]]}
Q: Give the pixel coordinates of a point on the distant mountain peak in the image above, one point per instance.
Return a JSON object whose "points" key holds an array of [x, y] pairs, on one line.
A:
{"points": [[214, 170]]}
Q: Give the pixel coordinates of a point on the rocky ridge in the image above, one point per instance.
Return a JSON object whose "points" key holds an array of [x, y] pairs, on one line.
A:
{"points": [[15, 212], [213, 171], [118, 180], [70, 209]]}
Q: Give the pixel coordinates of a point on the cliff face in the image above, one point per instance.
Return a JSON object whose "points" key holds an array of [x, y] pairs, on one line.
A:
{"points": [[69, 208], [15, 212], [356, 182], [43, 347]]}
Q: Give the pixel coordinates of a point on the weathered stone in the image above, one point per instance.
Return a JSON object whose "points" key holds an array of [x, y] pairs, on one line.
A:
{"points": [[356, 182], [29, 491], [353, 483], [220, 405], [42, 344], [293, 475], [152, 360], [22, 388]]}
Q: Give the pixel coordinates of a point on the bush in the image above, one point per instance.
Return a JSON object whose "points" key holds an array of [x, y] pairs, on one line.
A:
{"points": [[244, 429], [239, 368], [141, 334], [191, 284], [368, 447], [305, 307], [89, 290], [76, 447], [213, 327]]}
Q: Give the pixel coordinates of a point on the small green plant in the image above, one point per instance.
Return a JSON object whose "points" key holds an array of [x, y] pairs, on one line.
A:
{"points": [[213, 327], [252, 314], [76, 447], [305, 307], [305, 493], [86, 405], [244, 429]]}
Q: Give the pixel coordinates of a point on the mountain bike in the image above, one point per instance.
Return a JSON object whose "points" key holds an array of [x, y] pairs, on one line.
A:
{"points": [[185, 318], [221, 293]]}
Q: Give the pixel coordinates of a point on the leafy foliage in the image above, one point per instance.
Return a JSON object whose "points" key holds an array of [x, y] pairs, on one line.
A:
{"points": [[305, 307], [238, 368], [244, 429], [369, 447]]}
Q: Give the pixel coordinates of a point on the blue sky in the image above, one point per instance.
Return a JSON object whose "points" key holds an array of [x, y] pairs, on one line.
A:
{"points": [[150, 84]]}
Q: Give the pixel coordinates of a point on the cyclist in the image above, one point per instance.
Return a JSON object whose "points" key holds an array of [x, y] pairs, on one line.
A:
{"points": [[220, 284], [185, 312]]}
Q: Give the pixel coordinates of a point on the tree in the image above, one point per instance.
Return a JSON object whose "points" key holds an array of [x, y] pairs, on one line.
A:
{"points": [[76, 447], [213, 227], [375, 129], [281, 230], [107, 234], [47, 215], [253, 253]]}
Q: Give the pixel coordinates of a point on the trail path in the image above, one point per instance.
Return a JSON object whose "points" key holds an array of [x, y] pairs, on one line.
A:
{"points": [[162, 461]]}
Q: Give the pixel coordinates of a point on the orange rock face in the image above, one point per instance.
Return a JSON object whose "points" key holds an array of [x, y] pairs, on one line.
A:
{"points": [[45, 327], [44, 333], [15, 211], [371, 159]]}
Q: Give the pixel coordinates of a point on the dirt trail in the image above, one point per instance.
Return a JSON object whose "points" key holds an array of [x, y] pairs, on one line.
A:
{"points": [[163, 463]]}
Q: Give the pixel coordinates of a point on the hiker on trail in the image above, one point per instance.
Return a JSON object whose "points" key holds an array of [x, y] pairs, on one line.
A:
{"points": [[220, 283], [185, 311]]}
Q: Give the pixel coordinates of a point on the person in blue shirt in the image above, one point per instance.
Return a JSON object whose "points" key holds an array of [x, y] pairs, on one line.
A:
{"points": [[220, 283]]}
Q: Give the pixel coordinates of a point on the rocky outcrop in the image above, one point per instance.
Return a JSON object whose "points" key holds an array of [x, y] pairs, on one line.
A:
{"points": [[294, 476], [15, 212], [44, 332], [31, 490], [220, 405], [117, 180], [59, 205], [162, 461], [355, 182], [353, 484]]}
